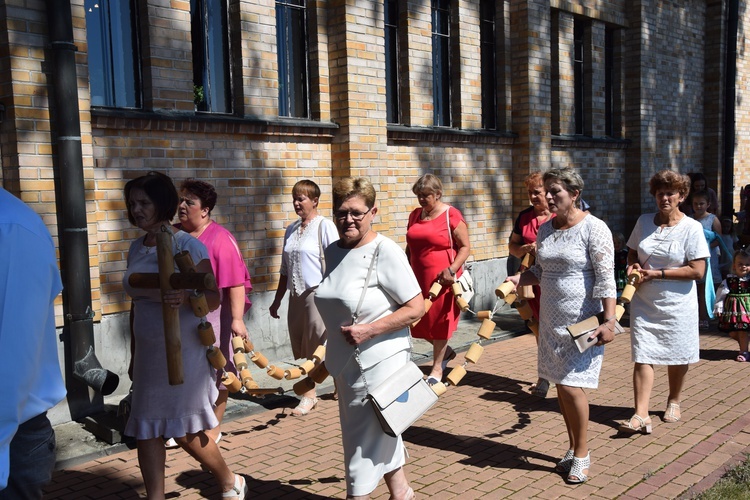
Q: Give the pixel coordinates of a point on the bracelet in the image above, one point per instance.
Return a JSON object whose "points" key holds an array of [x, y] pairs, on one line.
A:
{"points": [[662, 275], [607, 320], [451, 271]]}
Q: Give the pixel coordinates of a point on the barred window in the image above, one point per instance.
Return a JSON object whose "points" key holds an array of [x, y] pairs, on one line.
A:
{"points": [[292, 50]]}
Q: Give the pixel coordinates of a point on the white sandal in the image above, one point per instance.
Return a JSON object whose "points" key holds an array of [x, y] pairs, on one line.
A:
{"points": [[576, 475], [564, 464], [305, 406], [238, 491]]}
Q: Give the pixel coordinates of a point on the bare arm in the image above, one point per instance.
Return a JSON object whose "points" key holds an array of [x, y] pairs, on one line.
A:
{"points": [[461, 237], [400, 318], [280, 292], [517, 248], [237, 303], [526, 278], [693, 270]]}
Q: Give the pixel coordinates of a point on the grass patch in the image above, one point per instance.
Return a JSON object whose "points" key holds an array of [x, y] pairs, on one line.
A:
{"points": [[733, 485]]}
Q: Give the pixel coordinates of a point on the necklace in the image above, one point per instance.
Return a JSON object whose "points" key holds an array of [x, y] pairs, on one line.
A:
{"points": [[428, 215]]}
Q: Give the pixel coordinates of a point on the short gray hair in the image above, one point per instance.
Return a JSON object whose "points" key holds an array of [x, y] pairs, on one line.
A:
{"points": [[569, 178]]}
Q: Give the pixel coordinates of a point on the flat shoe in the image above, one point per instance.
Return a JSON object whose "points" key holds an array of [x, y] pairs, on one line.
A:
{"points": [[743, 356], [171, 443], [644, 425], [672, 414], [305, 406], [447, 359], [432, 381]]}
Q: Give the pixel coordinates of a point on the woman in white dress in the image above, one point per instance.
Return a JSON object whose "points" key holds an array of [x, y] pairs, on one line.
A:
{"points": [[669, 249], [575, 269], [302, 266], [380, 331], [159, 410]]}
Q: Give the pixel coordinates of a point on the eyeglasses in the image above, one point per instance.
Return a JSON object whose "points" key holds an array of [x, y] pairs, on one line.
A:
{"points": [[355, 215]]}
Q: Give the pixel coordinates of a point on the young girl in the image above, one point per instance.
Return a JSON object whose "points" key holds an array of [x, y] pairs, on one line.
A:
{"points": [[711, 222], [733, 302]]}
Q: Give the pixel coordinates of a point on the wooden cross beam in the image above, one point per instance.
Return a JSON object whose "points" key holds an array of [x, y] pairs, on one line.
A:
{"points": [[167, 279]]}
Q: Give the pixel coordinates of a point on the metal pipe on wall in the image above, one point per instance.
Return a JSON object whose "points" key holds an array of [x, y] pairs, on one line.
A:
{"points": [[730, 91], [78, 331]]}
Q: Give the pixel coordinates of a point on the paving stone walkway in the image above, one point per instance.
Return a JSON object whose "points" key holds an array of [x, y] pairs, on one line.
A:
{"points": [[487, 438]]}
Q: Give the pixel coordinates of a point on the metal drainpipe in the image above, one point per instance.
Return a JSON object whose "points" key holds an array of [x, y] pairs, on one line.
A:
{"points": [[78, 331], [727, 177]]}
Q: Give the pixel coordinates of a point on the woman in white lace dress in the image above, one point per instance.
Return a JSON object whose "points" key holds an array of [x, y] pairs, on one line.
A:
{"points": [[302, 267], [575, 269]]}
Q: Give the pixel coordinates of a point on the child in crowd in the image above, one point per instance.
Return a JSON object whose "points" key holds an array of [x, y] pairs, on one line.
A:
{"points": [[621, 260], [729, 238], [711, 223], [733, 302]]}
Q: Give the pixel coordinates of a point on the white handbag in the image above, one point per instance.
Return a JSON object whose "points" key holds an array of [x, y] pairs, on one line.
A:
{"points": [[467, 284], [401, 399], [404, 396]]}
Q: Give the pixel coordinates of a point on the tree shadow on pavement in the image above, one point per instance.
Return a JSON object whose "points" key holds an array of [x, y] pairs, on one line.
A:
{"points": [[480, 452], [85, 485], [718, 354], [257, 489]]}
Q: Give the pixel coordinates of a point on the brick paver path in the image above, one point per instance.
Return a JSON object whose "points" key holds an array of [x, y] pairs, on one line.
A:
{"points": [[487, 438]]}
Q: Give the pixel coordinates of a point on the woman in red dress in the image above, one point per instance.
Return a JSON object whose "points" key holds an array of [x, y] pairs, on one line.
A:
{"points": [[523, 241], [431, 229]]}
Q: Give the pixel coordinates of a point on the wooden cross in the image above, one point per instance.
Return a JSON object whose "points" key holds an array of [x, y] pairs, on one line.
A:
{"points": [[167, 279]]}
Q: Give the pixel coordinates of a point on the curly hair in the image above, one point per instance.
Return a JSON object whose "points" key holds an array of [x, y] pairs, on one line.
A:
{"points": [[669, 179], [202, 190], [533, 179]]}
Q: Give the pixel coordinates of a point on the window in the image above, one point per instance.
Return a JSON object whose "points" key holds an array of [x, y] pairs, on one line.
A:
{"points": [[114, 58], [489, 65], [392, 88], [579, 63], [441, 56], [210, 31], [610, 82], [291, 39]]}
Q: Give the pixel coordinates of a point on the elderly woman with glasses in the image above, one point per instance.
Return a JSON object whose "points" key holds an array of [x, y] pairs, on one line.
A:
{"points": [[368, 298]]}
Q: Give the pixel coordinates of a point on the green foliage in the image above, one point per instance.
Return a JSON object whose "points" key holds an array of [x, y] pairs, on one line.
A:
{"points": [[198, 95], [734, 485]]}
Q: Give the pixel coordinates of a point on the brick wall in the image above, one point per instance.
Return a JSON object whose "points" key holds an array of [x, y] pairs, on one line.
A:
{"points": [[254, 157]]}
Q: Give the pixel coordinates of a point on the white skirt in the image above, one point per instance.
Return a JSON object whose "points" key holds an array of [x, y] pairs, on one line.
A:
{"points": [[369, 453]]}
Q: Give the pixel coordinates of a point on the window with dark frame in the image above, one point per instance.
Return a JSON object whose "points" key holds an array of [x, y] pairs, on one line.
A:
{"points": [[292, 50], [579, 31], [609, 82], [113, 53], [489, 64], [441, 56], [392, 88], [211, 74]]}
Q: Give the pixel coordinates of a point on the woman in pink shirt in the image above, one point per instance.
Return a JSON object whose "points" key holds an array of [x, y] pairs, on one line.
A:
{"points": [[197, 200]]}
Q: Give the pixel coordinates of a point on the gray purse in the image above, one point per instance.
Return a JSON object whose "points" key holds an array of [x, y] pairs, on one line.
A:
{"points": [[404, 396]]}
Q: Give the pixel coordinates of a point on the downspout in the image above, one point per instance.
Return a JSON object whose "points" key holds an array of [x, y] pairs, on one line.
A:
{"points": [[78, 330], [727, 177]]}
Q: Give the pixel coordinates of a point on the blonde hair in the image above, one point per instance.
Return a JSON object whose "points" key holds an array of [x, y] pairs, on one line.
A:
{"points": [[353, 186]]}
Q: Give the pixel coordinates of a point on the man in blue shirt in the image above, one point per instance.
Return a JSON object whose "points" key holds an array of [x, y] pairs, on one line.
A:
{"points": [[30, 379]]}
